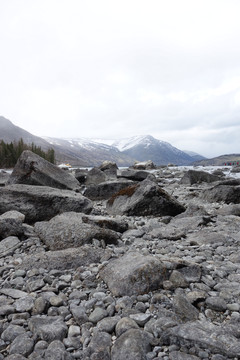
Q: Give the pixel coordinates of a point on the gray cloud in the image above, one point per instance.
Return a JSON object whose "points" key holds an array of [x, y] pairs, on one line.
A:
{"points": [[111, 69]]}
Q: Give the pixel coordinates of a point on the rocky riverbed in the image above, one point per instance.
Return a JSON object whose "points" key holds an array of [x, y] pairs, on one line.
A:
{"points": [[82, 278]]}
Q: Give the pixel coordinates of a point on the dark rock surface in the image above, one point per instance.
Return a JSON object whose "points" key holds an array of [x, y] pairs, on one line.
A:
{"points": [[32, 169], [39, 203], [137, 287], [146, 198]]}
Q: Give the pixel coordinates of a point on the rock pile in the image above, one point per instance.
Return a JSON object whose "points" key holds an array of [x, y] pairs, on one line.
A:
{"points": [[80, 283]]}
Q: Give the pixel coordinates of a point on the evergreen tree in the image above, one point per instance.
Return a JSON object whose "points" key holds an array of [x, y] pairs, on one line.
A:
{"points": [[9, 153]]}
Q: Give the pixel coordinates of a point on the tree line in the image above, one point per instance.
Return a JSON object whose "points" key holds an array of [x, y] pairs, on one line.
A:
{"points": [[9, 153]]}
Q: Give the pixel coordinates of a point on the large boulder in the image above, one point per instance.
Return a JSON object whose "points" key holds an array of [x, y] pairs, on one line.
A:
{"points": [[144, 165], [195, 177], [11, 224], [134, 274], [206, 335], [40, 203], [32, 169], [131, 174], [67, 230], [4, 176], [105, 190], [222, 193], [95, 176], [116, 224], [71, 258], [146, 198]]}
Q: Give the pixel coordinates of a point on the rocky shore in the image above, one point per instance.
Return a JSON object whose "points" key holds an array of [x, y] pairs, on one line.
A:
{"points": [[109, 264]]}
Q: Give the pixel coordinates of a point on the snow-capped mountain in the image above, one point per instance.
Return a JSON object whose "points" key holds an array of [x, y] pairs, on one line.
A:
{"points": [[148, 148], [87, 152], [92, 152]]}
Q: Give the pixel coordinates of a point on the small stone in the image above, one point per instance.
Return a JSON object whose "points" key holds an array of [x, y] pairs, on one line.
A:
{"points": [[73, 330], [97, 315], [141, 319], [56, 301]]}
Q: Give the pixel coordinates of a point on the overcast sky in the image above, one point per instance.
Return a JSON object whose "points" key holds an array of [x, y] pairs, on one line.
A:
{"points": [[118, 68]]}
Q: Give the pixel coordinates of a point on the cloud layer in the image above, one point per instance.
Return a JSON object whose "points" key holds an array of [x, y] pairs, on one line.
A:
{"points": [[111, 69]]}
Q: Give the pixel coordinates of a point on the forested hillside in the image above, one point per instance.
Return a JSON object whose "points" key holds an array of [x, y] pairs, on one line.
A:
{"points": [[10, 152]]}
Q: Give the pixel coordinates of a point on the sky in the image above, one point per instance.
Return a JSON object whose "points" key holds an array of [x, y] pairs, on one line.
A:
{"points": [[114, 69]]}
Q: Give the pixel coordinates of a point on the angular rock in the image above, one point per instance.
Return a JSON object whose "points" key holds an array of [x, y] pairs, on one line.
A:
{"points": [[32, 169], [81, 175], [144, 165], [115, 224], [11, 332], [143, 199], [56, 350], [133, 344], [9, 245], [196, 177], [22, 344], [11, 224], [207, 336], [100, 345], [178, 355], [40, 203], [134, 274], [222, 193], [95, 176], [67, 231], [134, 175], [13, 293], [105, 190], [184, 309], [48, 328], [4, 176], [125, 324], [63, 259]]}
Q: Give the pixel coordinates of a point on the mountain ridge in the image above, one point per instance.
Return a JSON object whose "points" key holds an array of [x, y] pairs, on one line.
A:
{"points": [[87, 152]]}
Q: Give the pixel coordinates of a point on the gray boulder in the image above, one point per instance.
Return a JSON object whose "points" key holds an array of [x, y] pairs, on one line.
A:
{"points": [[134, 344], [95, 176], [105, 190], [134, 274], [48, 328], [4, 176], [195, 177], [146, 198], [31, 169], [207, 336], [144, 165], [64, 259], [67, 230], [135, 175], [109, 168], [39, 203], [81, 175], [222, 193], [11, 224], [115, 224]]}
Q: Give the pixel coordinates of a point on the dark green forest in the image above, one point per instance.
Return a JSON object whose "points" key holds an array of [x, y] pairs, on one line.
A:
{"points": [[9, 153]]}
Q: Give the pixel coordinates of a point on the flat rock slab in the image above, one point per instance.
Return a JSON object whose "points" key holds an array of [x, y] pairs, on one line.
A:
{"points": [[134, 274], [63, 259], [207, 336], [32, 169], [67, 230], [40, 203]]}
